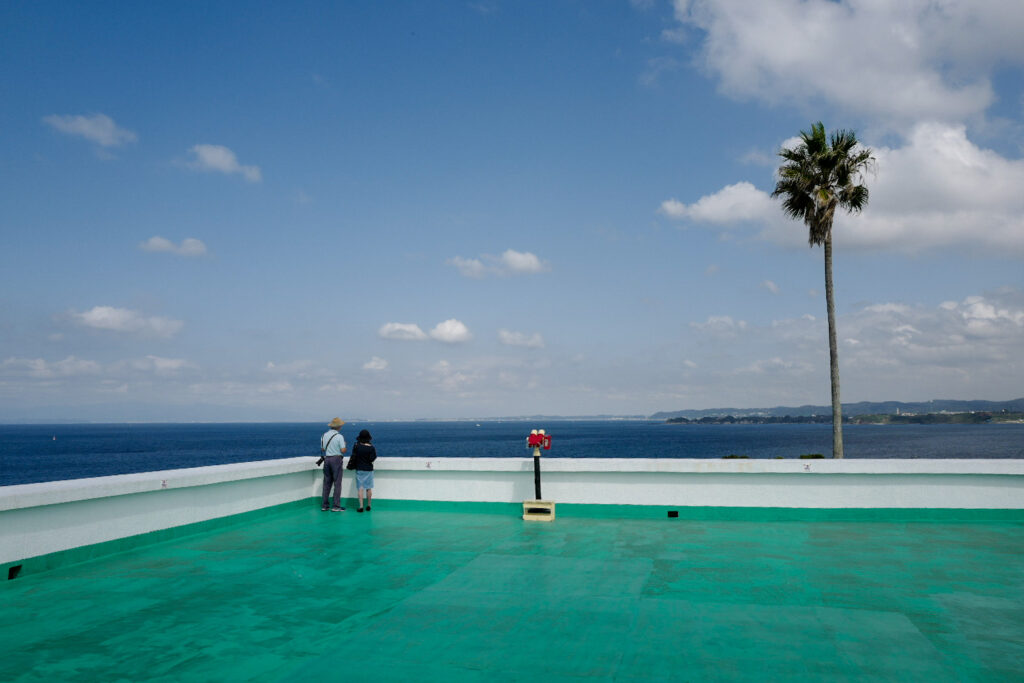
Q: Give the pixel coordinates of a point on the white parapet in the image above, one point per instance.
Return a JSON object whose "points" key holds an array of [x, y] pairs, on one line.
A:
{"points": [[37, 519], [967, 484]]}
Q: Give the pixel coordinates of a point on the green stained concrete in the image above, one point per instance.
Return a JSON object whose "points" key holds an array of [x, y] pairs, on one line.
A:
{"points": [[436, 593]]}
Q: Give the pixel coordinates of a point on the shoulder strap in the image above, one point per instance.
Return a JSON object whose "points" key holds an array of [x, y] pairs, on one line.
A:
{"points": [[323, 449]]}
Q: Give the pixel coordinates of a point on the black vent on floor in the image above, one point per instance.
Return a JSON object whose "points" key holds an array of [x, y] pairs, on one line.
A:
{"points": [[673, 513], [12, 572]]}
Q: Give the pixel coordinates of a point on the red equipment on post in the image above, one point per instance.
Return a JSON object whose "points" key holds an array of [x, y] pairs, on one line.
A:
{"points": [[537, 509]]}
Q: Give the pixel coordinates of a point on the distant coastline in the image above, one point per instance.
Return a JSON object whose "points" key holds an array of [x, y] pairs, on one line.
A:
{"points": [[934, 407], [974, 418]]}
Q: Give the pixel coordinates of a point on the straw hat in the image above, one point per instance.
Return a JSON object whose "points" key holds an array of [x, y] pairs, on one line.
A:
{"points": [[336, 422]]}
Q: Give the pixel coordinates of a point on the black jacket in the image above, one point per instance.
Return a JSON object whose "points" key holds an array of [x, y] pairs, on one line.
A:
{"points": [[363, 454]]}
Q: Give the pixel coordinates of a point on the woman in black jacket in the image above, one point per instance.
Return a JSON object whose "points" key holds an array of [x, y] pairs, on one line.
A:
{"points": [[363, 455]]}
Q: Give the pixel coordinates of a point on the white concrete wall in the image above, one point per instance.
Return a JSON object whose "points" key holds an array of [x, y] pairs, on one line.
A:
{"points": [[969, 484], [37, 519]]}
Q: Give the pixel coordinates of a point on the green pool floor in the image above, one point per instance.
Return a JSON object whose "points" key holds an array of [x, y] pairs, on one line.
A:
{"points": [[294, 594]]}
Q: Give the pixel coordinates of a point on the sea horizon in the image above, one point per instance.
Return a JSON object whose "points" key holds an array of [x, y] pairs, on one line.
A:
{"points": [[44, 452]]}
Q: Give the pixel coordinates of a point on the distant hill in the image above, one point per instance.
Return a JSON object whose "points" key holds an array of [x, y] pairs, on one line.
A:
{"points": [[851, 409]]}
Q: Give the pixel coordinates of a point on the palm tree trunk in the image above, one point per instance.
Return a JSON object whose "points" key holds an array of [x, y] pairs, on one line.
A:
{"points": [[833, 353]]}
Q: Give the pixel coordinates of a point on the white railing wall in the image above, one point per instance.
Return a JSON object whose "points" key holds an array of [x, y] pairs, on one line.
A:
{"points": [[36, 519]]}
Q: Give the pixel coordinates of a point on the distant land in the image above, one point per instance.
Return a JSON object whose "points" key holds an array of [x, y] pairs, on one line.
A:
{"points": [[976, 417], [852, 409]]}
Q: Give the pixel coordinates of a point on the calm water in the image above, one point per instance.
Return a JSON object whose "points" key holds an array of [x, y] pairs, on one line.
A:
{"points": [[29, 453]]}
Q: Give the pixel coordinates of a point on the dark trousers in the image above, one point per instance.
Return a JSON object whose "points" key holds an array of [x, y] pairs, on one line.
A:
{"points": [[332, 477]]}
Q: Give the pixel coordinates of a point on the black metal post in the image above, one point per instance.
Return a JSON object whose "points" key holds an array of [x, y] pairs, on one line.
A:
{"points": [[536, 475]]}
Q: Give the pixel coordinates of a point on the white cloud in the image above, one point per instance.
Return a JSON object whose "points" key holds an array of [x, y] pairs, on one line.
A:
{"points": [[923, 68], [451, 331], [656, 68], [156, 365], [939, 190], [245, 390], [776, 365], [225, 388], [888, 347], [521, 262], [721, 326], [163, 366], [124, 320], [485, 7], [916, 59], [469, 267], [732, 204], [222, 160], [447, 378], [72, 366], [889, 308], [298, 369], [983, 318], [981, 334], [401, 331], [98, 128], [38, 368], [279, 387], [511, 262], [509, 338], [335, 388], [375, 363], [969, 348], [770, 286], [190, 246]]}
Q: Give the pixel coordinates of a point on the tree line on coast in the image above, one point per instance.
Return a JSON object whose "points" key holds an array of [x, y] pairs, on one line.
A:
{"points": [[980, 417], [754, 420]]}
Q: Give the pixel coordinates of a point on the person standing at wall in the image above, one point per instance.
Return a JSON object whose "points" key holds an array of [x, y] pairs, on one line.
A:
{"points": [[332, 446], [363, 455]]}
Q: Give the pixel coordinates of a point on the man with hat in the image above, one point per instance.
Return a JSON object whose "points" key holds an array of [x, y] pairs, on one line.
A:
{"points": [[332, 445]]}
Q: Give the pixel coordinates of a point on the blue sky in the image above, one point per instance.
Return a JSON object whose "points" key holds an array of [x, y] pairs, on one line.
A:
{"points": [[246, 211]]}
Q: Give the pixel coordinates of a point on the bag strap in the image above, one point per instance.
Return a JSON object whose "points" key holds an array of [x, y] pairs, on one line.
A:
{"points": [[323, 448]]}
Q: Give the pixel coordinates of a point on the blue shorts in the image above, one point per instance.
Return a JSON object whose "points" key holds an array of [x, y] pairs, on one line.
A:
{"points": [[364, 479]]}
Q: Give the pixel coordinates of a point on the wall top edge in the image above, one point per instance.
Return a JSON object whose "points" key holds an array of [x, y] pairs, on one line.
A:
{"points": [[47, 493], [53, 492], [709, 466]]}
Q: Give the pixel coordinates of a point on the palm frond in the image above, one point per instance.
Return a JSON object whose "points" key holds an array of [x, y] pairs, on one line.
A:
{"points": [[821, 174]]}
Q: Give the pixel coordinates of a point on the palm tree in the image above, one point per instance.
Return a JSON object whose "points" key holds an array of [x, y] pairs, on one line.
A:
{"points": [[817, 176]]}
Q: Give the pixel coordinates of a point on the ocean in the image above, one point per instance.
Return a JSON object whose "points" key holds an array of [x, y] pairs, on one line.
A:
{"points": [[35, 453]]}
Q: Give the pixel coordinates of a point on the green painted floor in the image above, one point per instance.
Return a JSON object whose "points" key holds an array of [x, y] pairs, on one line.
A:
{"points": [[434, 594]]}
